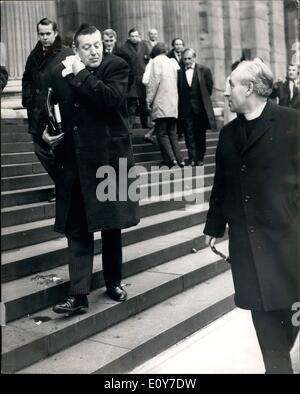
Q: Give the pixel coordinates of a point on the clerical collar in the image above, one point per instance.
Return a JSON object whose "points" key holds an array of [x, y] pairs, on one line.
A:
{"points": [[256, 113]]}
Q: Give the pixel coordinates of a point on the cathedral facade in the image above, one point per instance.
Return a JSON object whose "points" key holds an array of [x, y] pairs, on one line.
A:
{"points": [[219, 30]]}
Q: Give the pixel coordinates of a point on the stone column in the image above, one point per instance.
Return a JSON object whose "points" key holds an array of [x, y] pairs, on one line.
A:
{"points": [[292, 30], [255, 28], [141, 14], [277, 38], [232, 33], [72, 13], [18, 30], [200, 24], [214, 47]]}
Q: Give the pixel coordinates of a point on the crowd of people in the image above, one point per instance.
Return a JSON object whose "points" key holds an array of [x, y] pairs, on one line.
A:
{"points": [[256, 184]]}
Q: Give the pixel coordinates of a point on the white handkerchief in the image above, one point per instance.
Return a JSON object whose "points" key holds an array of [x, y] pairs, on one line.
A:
{"points": [[68, 65]]}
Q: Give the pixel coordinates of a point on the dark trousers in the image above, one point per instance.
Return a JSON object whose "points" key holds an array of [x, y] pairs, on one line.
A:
{"points": [[165, 129], [81, 249], [45, 156], [195, 136], [133, 105], [276, 336]]}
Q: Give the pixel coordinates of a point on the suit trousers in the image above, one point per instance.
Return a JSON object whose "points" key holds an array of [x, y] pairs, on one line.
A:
{"points": [[81, 249], [133, 105], [195, 136], [165, 129], [276, 336]]}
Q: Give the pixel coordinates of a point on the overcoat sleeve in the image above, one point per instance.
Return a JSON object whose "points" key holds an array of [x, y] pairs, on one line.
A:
{"points": [[27, 83], [216, 222], [153, 83], [208, 80], [107, 93]]}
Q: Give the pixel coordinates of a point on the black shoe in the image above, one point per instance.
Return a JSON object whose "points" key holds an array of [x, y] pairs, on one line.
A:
{"points": [[116, 293], [52, 197], [199, 163], [192, 163], [72, 304], [181, 164], [149, 139]]}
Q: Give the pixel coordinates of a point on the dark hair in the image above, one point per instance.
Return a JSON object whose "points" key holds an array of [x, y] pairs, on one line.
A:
{"points": [[158, 49], [133, 30], [175, 39], [84, 29], [235, 64], [46, 22]]}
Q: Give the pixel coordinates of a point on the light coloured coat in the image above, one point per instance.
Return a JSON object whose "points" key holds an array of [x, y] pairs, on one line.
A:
{"points": [[162, 94]]}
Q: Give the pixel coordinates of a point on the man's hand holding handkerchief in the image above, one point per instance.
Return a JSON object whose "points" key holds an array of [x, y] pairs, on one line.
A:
{"points": [[73, 65]]}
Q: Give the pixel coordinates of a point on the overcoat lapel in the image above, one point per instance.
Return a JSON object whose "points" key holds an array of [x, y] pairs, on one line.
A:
{"points": [[262, 127]]}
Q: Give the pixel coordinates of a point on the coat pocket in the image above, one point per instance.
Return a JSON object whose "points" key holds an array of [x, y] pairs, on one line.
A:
{"points": [[121, 148]]}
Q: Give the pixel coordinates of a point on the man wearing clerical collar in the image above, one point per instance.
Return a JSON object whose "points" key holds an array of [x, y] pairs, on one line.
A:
{"points": [[256, 193]]}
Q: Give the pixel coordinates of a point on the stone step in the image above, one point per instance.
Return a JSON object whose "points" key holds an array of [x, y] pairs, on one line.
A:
{"points": [[25, 182], [14, 136], [24, 342], [17, 263], [41, 193], [30, 294], [128, 344], [26, 196], [14, 183], [29, 233], [28, 168], [21, 214], [18, 158], [17, 147]]}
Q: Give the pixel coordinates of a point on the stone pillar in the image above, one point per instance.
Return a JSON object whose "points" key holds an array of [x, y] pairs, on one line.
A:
{"points": [[255, 28], [214, 47], [72, 13], [292, 30], [232, 33], [18, 30], [141, 14], [277, 38], [200, 24]]}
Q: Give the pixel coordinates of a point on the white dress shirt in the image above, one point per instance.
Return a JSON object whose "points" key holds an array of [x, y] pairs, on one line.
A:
{"points": [[189, 74]]}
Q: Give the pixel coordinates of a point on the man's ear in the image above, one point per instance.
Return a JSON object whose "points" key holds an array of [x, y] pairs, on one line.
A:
{"points": [[249, 90]]}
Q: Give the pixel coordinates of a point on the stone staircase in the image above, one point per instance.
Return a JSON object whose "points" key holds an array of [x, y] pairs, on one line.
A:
{"points": [[175, 284]]}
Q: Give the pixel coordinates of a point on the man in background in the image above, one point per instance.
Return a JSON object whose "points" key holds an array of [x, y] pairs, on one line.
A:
{"points": [[47, 53]]}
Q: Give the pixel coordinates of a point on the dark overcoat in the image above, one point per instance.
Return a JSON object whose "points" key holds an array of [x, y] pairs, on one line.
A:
{"points": [[139, 57], [36, 80], [94, 120], [282, 91], [205, 83], [256, 192]]}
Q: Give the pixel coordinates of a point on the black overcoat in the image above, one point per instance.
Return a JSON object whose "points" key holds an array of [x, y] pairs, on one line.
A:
{"points": [[256, 192], [139, 56], [94, 120], [36, 80]]}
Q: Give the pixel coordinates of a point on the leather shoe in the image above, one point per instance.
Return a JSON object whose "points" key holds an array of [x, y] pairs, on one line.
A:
{"points": [[72, 304], [116, 293], [199, 163], [147, 138], [181, 164], [52, 197]]}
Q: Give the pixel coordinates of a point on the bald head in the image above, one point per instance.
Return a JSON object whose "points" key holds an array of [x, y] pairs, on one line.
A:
{"points": [[153, 35]]}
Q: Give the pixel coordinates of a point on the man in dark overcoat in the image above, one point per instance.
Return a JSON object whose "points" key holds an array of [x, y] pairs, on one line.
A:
{"points": [[91, 93], [195, 109], [256, 193], [287, 92], [138, 52], [47, 53]]}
